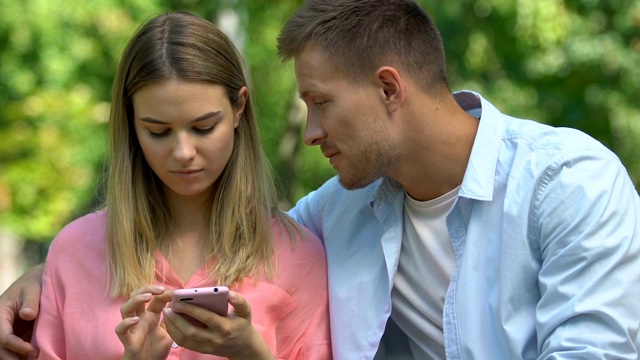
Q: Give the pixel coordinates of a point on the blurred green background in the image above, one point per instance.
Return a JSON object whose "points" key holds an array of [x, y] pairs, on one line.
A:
{"points": [[569, 63]]}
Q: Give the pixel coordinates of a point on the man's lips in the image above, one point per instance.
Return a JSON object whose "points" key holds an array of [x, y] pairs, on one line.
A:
{"points": [[332, 156], [328, 155], [328, 150]]}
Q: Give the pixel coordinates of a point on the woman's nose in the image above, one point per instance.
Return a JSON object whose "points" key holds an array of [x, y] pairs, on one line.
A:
{"points": [[185, 148]]}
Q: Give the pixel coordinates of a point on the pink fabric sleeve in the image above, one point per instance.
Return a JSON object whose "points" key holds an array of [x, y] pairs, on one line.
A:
{"points": [[304, 333], [77, 316], [48, 333]]}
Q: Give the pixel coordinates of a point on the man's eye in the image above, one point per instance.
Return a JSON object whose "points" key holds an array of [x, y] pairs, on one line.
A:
{"points": [[320, 102]]}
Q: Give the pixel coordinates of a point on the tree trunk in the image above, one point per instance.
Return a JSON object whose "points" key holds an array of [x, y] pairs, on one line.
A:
{"points": [[11, 263]]}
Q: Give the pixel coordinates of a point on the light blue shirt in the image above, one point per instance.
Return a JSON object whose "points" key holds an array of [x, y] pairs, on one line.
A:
{"points": [[546, 235]]}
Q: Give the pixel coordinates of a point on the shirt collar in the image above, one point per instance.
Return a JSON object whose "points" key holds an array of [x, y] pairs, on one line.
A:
{"points": [[386, 191], [479, 177]]}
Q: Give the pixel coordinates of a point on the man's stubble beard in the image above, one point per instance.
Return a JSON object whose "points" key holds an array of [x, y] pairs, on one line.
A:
{"points": [[373, 164]]}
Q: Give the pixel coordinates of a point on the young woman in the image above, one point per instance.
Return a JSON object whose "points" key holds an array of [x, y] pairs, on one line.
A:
{"points": [[190, 203]]}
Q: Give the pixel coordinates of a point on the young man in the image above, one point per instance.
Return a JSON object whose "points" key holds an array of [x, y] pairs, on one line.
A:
{"points": [[477, 235]]}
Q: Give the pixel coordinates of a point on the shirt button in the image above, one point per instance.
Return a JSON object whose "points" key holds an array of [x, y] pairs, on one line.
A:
{"points": [[174, 345]]}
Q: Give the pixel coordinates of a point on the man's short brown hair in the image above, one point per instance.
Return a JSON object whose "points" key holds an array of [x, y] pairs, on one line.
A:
{"points": [[362, 35]]}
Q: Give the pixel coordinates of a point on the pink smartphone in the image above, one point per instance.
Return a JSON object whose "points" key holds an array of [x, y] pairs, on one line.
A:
{"points": [[211, 298]]}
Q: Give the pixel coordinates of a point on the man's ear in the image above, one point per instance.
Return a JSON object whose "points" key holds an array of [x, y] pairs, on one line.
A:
{"points": [[391, 87], [243, 94]]}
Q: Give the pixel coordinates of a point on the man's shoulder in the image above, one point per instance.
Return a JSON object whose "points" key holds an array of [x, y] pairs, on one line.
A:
{"points": [[333, 195], [555, 144], [332, 201]]}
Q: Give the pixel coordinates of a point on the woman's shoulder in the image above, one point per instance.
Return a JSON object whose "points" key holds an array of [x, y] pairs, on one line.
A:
{"points": [[298, 250], [290, 236], [87, 231]]}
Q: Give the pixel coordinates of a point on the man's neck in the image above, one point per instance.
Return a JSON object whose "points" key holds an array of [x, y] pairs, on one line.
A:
{"points": [[437, 146]]}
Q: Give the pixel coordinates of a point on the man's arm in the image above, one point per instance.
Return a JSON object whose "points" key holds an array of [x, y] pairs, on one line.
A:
{"points": [[587, 216], [307, 209], [19, 306]]}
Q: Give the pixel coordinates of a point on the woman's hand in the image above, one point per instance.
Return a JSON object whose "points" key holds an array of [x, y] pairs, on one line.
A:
{"points": [[143, 335], [233, 336]]}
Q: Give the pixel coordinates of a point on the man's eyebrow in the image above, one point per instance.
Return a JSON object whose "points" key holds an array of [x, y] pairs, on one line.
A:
{"points": [[305, 94], [203, 117]]}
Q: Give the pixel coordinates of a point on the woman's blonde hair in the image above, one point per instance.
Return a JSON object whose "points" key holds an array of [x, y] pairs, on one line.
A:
{"points": [[185, 47]]}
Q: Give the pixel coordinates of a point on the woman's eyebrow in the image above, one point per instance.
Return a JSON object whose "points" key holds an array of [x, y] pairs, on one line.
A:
{"points": [[203, 117]]}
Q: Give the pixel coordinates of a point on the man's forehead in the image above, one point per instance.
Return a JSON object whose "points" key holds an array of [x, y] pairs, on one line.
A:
{"points": [[315, 55]]}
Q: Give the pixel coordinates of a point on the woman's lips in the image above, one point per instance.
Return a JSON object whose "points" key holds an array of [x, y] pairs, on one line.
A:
{"points": [[186, 174]]}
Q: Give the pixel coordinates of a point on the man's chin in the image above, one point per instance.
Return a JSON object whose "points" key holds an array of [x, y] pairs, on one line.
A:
{"points": [[354, 184]]}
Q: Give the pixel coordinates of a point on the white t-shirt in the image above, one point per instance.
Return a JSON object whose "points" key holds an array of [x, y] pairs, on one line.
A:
{"points": [[424, 272]]}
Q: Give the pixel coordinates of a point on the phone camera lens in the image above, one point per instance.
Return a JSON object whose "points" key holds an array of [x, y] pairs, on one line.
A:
{"points": [[215, 289]]}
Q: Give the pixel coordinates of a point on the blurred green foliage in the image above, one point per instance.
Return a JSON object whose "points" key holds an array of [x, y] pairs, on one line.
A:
{"points": [[564, 62], [572, 63]]}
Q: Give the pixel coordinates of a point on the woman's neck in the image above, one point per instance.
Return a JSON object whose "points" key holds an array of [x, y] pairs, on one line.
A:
{"points": [[188, 232], [189, 213]]}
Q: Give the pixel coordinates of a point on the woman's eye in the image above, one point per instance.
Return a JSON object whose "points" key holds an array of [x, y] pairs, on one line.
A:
{"points": [[158, 134], [204, 131]]}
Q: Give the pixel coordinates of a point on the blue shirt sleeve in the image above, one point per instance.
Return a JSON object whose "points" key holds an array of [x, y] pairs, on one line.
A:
{"points": [[586, 212]]}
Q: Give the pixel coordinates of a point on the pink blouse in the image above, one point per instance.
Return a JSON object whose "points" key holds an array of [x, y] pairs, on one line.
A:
{"points": [[78, 316]]}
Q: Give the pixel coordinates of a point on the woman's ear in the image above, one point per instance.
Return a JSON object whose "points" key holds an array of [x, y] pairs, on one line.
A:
{"points": [[243, 95], [391, 87]]}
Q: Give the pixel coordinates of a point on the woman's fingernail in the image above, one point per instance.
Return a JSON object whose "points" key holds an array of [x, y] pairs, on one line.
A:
{"points": [[159, 288], [167, 312]]}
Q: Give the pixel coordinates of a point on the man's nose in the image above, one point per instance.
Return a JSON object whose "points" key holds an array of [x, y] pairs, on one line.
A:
{"points": [[314, 134]]}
